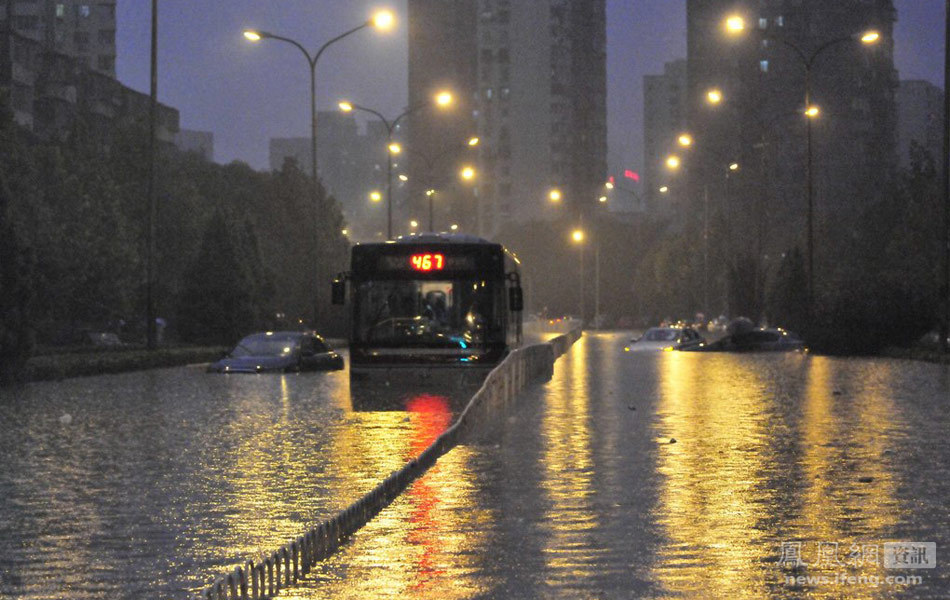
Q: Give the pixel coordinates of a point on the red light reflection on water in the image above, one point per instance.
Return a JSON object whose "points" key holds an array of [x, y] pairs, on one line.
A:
{"points": [[430, 415]]}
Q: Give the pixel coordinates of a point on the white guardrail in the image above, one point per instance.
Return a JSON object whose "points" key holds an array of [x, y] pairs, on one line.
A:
{"points": [[264, 577]]}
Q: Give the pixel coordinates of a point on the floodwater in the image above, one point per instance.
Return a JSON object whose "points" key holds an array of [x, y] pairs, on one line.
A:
{"points": [[674, 475]]}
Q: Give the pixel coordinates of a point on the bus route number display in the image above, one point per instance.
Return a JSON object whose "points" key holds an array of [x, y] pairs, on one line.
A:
{"points": [[427, 262]]}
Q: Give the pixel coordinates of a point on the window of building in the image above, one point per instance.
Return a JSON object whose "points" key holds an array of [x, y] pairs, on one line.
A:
{"points": [[764, 66], [84, 10], [763, 23], [780, 21], [60, 11]]}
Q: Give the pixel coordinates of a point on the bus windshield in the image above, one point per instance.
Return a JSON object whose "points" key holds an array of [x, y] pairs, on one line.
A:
{"points": [[461, 313]]}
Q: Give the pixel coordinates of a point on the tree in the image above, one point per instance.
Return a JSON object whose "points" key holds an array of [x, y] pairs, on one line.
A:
{"points": [[216, 303], [787, 304], [16, 296]]}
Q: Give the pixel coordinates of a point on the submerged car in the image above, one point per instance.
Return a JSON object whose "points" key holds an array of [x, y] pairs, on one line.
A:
{"points": [[757, 340], [657, 339], [279, 351]]}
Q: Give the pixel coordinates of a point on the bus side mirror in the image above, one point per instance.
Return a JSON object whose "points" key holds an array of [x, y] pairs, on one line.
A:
{"points": [[515, 299], [338, 292]]}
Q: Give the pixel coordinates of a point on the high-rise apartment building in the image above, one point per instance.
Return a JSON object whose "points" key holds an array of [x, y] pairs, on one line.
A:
{"points": [[664, 119], [82, 29], [536, 97], [919, 119], [760, 127]]}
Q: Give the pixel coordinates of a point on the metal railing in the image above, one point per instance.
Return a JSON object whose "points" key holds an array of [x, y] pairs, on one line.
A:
{"points": [[265, 577]]}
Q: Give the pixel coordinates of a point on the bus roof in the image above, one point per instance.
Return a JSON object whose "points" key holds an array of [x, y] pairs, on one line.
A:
{"points": [[433, 238]]}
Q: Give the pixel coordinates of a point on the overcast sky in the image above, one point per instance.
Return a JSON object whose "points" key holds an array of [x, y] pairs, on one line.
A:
{"points": [[246, 94]]}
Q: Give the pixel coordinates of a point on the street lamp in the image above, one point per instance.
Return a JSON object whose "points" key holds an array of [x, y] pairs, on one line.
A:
{"points": [[381, 20], [442, 99], [685, 140], [466, 173], [811, 111], [673, 162], [555, 195], [714, 96]]}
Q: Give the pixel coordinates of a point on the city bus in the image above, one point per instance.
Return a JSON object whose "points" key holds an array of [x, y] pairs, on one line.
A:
{"points": [[431, 302]]}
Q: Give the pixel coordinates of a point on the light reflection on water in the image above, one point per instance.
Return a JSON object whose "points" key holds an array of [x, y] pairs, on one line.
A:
{"points": [[166, 478]]}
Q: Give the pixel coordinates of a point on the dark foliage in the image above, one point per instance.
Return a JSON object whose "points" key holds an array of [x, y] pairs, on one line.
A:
{"points": [[867, 318], [787, 303], [79, 204], [216, 301], [16, 297]]}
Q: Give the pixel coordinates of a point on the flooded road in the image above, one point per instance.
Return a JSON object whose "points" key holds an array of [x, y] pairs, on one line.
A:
{"points": [[584, 493], [674, 475]]}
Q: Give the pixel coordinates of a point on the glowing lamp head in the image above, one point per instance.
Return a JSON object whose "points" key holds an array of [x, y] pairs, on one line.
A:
{"points": [[395, 148], [383, 20], [375, 196], [734, 166], [602, 199], [664, 189], [870, 37], [577, 236], [735, 25], [473, 141], [812, 112], [467, 173], [454, 227], [345, 106], [685, 140], [443, 99], [609, 185], [252, 35], [413, 224], [554, 195], [673, 162], [714, 96], [403, 178]]}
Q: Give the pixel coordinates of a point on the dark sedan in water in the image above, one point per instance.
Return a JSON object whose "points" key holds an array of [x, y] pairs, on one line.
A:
{"points": [[280, 351], [756, 340]]}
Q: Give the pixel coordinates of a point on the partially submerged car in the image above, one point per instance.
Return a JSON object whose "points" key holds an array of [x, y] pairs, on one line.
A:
{"points": [[757, 340], [279, 351], [657, 339]]}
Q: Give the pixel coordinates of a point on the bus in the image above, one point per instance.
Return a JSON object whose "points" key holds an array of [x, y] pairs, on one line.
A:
{"points": [[431, 302]]}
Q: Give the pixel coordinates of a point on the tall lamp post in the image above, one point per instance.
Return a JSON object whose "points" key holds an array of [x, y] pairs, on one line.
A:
{"points": [[735, 25], [945, 267], [151, 337], [442, 100], [382, 20]]}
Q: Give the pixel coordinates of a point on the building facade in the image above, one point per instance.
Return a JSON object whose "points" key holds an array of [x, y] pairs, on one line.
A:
{"points": [[664, 119], [535, 76], [759, 127], [81, 29], [199, 142], [57, 68], [919, 119]]}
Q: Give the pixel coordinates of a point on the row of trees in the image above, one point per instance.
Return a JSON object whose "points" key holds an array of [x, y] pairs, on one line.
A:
{"points": [[236, 248], [877, 268], [877, 271]]}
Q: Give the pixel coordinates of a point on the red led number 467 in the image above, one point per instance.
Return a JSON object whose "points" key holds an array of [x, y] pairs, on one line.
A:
{"points": [[427, 262]]}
